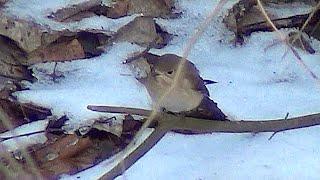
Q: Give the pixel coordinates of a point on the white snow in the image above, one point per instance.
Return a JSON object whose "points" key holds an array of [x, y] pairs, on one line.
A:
{"points": [[288, 9], [254, 83], [26, 128], [102, 81], [25, 141], [288, 155]]}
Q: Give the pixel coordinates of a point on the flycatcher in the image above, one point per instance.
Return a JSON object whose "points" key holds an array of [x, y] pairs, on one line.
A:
{"points": [[189, 95]]}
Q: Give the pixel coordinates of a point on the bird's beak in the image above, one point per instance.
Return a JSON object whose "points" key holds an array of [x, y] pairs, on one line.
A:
{"points": [[156, 73]]}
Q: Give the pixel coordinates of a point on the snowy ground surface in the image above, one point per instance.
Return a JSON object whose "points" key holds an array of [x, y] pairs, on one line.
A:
{"points": [[254, 83]]}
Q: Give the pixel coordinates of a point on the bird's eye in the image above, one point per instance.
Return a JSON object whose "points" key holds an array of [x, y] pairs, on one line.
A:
{"points": [[170, 72]]}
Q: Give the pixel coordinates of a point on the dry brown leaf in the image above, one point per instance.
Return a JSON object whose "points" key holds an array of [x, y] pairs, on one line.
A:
{"points": [[28, 35], [153, 8], [142, 31], [59, 51], [119, 9], [245, 17], [75, 12], [13, 114], [70, 153]]}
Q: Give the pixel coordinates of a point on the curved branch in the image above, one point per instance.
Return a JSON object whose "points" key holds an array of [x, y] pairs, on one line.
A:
{"points": [[208, 126], [196, 125], [167, 122], [143, 148]]}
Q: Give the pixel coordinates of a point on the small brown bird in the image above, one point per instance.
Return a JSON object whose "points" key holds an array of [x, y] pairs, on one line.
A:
{"points": [[189, 96]]}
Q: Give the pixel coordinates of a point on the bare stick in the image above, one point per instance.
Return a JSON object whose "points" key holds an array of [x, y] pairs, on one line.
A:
{"points": [[196, 125], [21, 135], [167, 122], [136, 154], [29, 134], [122, 110], [285, 118]]}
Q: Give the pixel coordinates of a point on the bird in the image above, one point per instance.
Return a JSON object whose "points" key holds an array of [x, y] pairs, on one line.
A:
{"points": [[189, 96]]}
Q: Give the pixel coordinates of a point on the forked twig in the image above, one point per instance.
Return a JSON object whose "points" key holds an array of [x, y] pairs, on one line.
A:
{"points": [[198, 125], [168, 122]]}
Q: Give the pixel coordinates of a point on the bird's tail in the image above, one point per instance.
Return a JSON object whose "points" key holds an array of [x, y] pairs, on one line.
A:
{"points": [[207, 81]]}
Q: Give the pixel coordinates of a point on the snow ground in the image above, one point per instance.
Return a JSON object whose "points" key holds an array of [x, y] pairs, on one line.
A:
{"points": [[102, 81], [288, 155], [254, 83], [287, 10], [25, 141]]}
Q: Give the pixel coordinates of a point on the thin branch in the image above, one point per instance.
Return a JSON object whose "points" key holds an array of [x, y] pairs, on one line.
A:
{"points": [[196, 125], [121, 110], [167, 122], [285, 118], [129, 160], [29, 134], [21, 135]]}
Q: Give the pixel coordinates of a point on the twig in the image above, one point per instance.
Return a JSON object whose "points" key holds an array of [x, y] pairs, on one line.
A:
{"points": [[285, 118], [21, 135], [168, 122], [129, 160], [28, 134], [197, 125], [121, 110]]}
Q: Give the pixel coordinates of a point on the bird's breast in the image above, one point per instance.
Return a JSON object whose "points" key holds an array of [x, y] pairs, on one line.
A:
{"points": [[177, 100]]}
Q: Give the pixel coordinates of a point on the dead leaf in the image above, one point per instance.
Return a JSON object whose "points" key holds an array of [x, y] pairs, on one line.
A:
{"points": [[245, 17], [75, 12], [28, 35], [141, 30], [58, 51], [153, 8], [70, 153], [13, 114]]}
